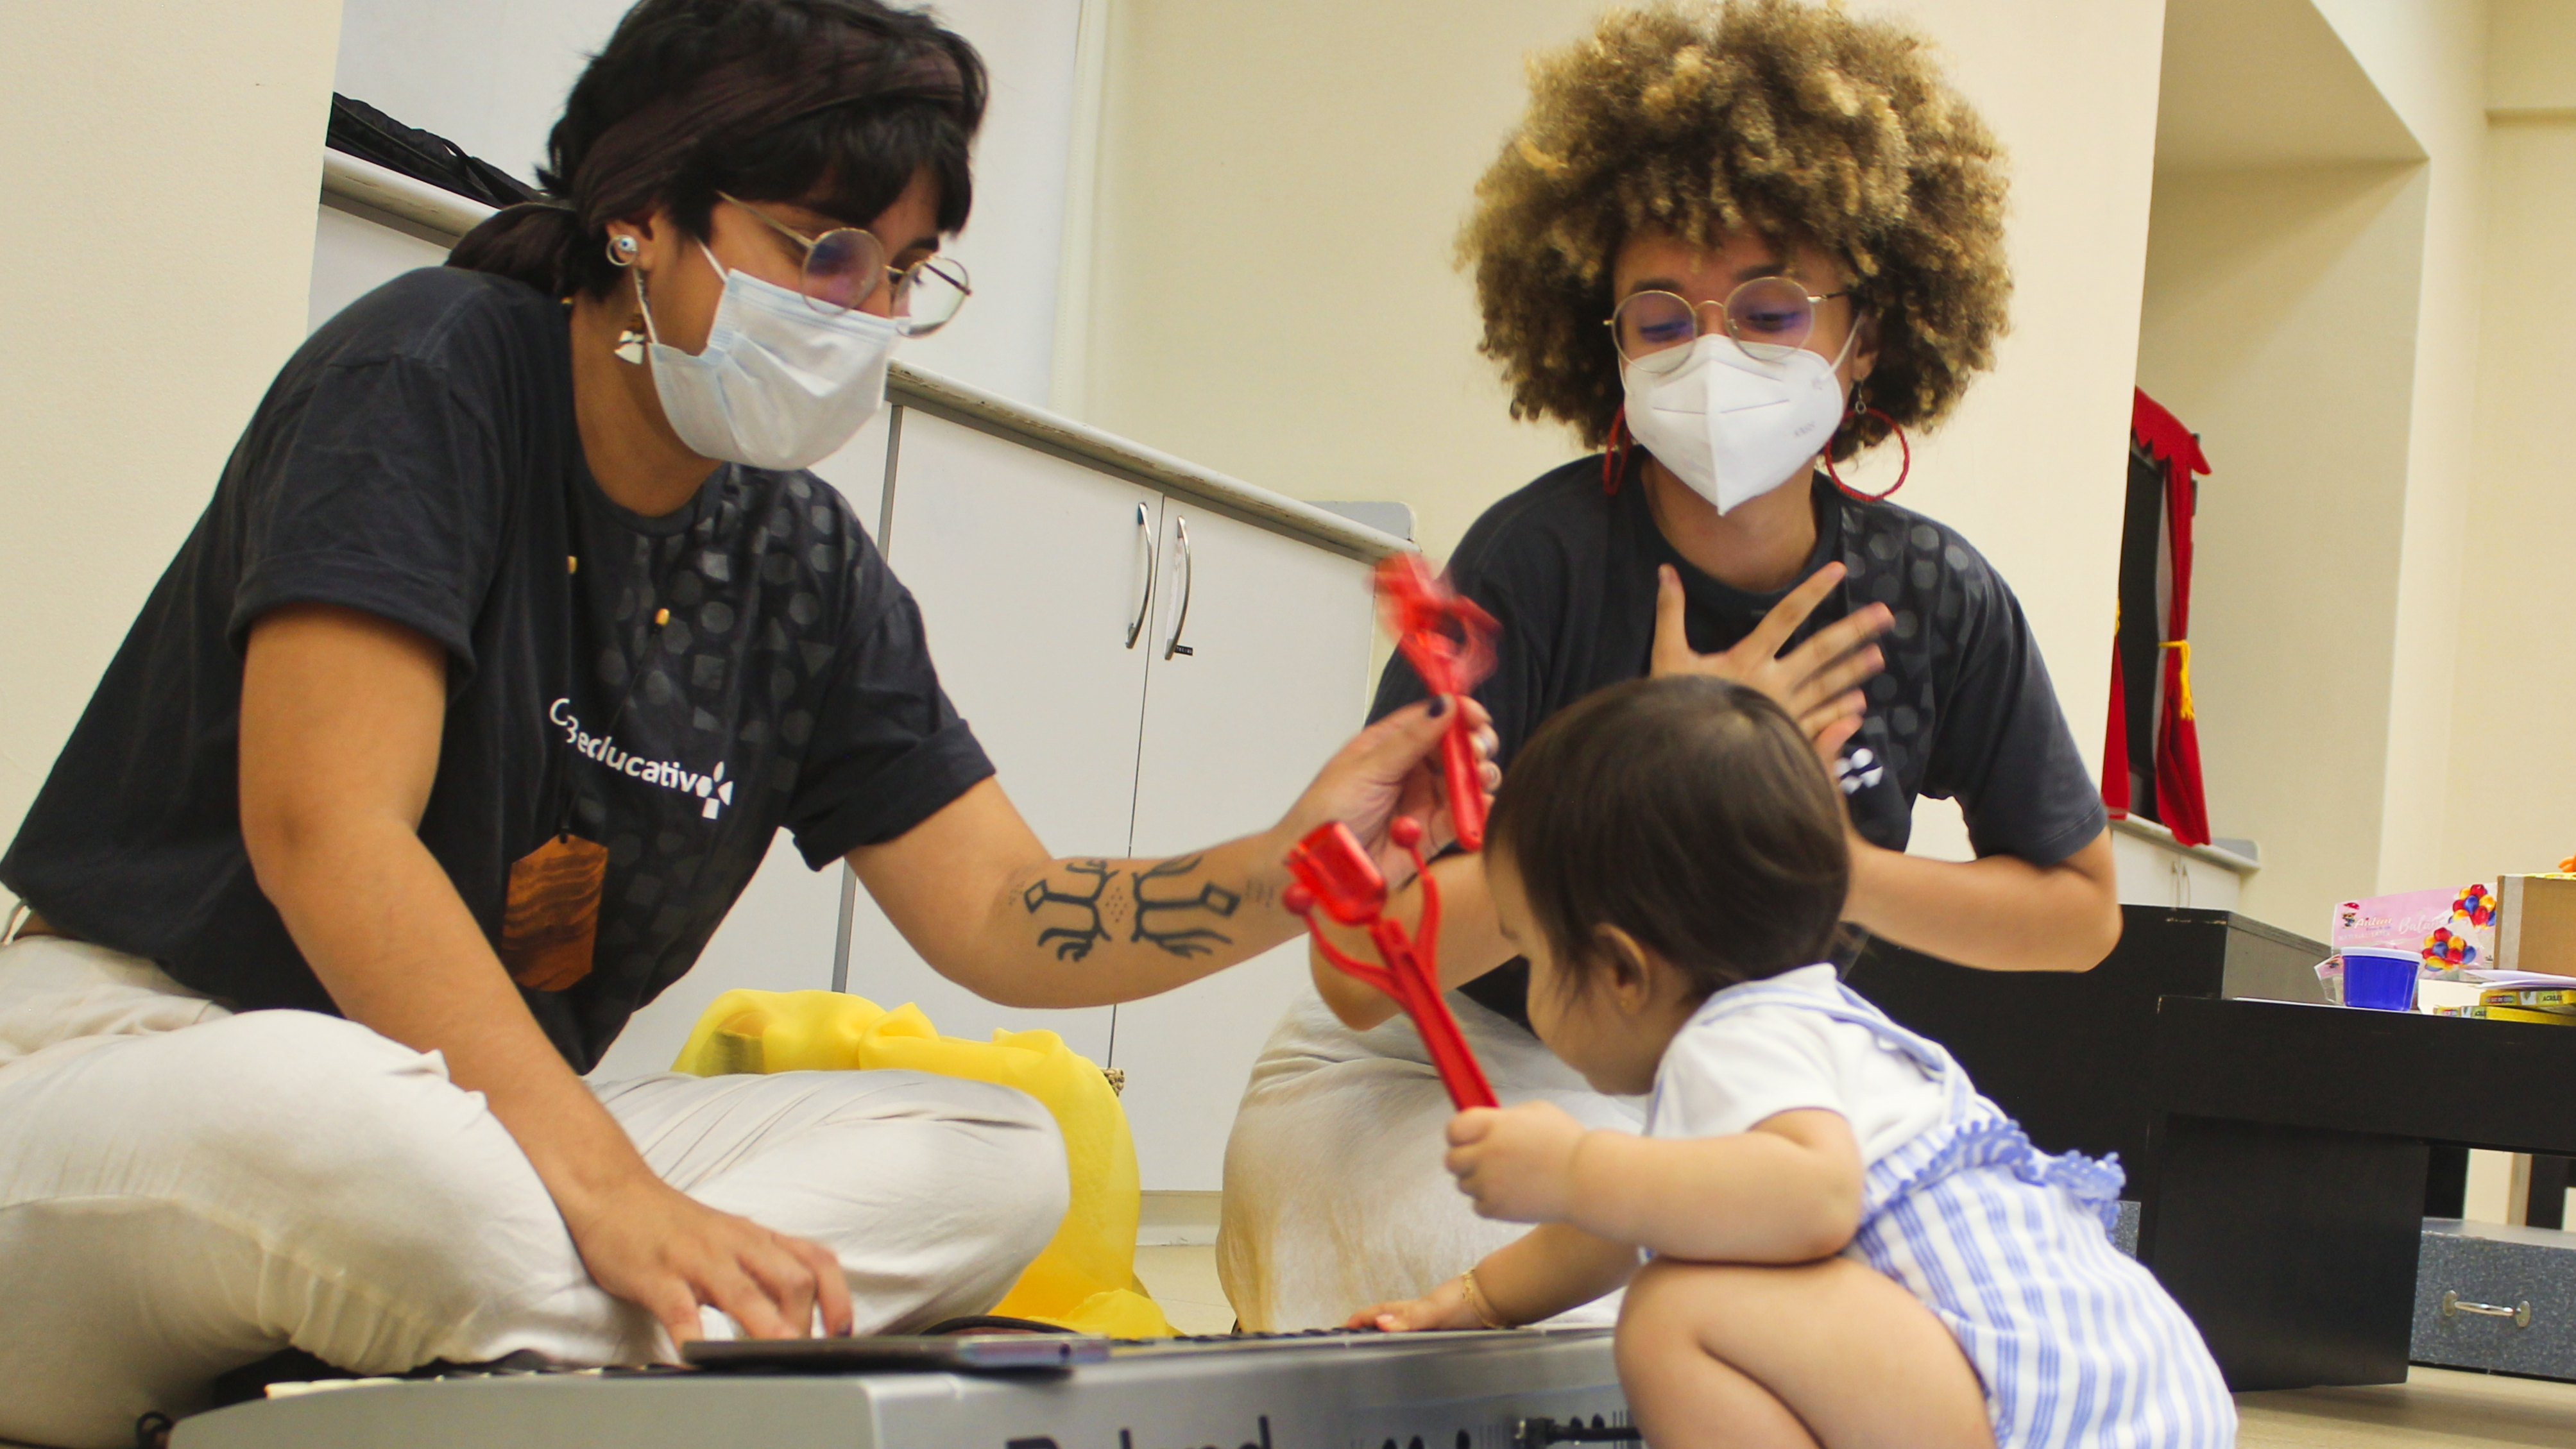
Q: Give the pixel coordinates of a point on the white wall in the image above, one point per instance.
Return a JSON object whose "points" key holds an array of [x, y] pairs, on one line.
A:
{"points": [[2510, 788], [2512, 782], [2531, 60], [2280, 324], [1270, 291], [358, 249], [191, 135], [2313, 308], [2429, 58], [491, 75]]}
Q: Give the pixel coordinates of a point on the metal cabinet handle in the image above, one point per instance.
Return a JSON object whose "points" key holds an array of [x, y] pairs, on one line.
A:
{"points": [[1189, 577], [2453, 1305], [1144, 605]]}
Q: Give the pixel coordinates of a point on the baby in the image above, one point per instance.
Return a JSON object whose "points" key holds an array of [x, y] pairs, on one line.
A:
{"points": [[1845, 1244]]}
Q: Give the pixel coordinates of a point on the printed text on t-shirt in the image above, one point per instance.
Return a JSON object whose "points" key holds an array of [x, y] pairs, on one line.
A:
{"points": [[713, 787]]}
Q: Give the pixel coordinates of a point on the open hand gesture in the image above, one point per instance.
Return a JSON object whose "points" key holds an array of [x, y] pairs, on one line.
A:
{"points": [[1818, 682], [1393, 768]]}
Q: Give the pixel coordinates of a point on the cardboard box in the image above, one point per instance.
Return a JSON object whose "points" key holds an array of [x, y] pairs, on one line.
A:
{"points": [[2536, 923]]}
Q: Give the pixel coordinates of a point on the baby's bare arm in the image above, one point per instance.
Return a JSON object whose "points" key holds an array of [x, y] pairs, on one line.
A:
{"points": [[1788, 1191], [1538, 1275], [1550, 1269]]}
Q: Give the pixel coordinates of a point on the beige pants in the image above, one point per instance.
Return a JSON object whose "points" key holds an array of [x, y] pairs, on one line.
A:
{"points": [[1334, 1193], [184, 1190]]}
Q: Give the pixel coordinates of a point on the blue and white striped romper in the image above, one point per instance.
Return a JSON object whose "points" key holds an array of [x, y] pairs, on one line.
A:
{"points": [[2076, 1343]]}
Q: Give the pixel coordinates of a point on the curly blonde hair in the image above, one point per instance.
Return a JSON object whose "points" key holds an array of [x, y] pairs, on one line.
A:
{"points": [[1701, 120]]}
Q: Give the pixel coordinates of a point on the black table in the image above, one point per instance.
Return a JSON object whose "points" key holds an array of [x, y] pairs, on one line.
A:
{"points": [[2068, 1054], [2285, 1198]]}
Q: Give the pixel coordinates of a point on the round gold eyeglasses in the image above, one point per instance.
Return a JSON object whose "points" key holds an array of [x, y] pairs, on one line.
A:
{"points": [[1769, 317], [845, 266]]}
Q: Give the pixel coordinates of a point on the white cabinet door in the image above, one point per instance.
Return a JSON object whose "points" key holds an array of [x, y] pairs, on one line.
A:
{"points": [[1030, 571], [859, 469], [1276, 678], [354, 255]]}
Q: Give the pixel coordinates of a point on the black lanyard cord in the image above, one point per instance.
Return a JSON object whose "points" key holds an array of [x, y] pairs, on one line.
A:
{"points": [[656, 578]]}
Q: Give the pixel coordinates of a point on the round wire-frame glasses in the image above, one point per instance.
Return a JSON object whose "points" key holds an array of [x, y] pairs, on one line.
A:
{"points": [[844, 267], [1769, 317]]}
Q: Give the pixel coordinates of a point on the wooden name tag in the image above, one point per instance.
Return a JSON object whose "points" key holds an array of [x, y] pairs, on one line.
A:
{"points": [[551, 918]]}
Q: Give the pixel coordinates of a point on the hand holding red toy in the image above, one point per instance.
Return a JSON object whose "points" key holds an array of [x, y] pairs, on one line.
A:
{"points": [[1449, 641]]}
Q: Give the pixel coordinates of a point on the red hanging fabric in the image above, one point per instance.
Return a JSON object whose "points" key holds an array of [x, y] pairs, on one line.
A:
{"points": [[2180, 803]]}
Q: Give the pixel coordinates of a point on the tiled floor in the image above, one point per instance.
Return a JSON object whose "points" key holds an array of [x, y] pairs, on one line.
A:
{"points": [[1183, 1281], [2435, 1408]]}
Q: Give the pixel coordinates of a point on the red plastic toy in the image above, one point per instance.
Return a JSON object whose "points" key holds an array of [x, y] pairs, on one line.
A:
{"points": [[1449, 641], [1332, 871]]}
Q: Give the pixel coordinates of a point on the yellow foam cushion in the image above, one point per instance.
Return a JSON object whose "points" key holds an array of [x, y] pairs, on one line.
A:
{"points": [[1086, 1277]]}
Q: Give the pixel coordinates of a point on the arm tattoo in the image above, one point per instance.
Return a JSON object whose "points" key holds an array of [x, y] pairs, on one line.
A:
{"points": [[1078, 908], [1181, 939]]}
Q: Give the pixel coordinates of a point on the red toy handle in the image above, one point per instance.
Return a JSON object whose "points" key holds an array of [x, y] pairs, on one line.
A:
{"points": [[1459, 1070], [1466, 785], [1417, 990], [1332, 871], [1449, 641]]}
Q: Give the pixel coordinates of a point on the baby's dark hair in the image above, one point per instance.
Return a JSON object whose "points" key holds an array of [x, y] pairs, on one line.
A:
{"points": [[1690, 813]]}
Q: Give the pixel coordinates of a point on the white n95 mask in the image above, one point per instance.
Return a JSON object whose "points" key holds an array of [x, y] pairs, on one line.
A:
{"points": [[1731, 425], [780, 384]]}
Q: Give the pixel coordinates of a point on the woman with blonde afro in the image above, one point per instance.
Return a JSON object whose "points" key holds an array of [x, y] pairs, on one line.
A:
{"points": [[1731, 247]]}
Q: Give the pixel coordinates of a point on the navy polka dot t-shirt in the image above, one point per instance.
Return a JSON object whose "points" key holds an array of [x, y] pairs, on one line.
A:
{"points": [[1963, 709]]}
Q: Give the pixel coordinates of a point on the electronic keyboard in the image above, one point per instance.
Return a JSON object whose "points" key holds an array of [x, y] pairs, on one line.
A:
{"points": [[1520, 1389]]}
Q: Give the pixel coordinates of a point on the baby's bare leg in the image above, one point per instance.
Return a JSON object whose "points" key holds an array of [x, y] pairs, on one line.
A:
{"points": [[1828, 1353]]}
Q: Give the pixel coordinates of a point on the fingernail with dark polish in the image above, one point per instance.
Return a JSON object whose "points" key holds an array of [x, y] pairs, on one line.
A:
{"points": [[1439, 706]]}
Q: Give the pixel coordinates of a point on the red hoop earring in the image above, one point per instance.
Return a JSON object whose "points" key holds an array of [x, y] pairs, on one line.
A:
{"points": [[1614, 458], [1904, 468]]}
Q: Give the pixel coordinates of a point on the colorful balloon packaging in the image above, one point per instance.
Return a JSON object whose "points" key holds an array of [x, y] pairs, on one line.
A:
{"points": [[2450, 946]]}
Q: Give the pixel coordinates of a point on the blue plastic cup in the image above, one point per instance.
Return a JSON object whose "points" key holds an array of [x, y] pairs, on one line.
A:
{"points": [[2381, 978]]}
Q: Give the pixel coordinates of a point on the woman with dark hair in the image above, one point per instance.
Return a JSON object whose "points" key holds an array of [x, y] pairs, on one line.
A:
{"points": [[1730, 246], [514, 631]]}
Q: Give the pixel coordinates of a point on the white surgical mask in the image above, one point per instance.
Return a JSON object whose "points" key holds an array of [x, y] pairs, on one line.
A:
{"points": [[780, 385], [1734, 426]]}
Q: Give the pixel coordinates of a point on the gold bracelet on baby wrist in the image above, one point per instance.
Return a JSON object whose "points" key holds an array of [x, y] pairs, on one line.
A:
{"points": [[1478, 1303]]}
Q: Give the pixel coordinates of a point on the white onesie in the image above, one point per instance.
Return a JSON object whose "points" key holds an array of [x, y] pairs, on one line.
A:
{"points": [[1735, 1064]]}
